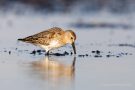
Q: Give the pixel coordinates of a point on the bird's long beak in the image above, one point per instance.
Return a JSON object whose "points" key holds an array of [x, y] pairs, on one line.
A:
{"points": [[73, 45]]}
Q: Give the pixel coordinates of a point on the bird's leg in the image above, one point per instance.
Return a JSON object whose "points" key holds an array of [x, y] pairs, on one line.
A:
{"points": [[47, 53]]}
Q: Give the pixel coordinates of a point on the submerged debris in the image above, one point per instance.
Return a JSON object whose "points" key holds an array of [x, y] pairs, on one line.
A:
{"points": [[39, 52], [33, 52], [71, 53], [100, 54], [97, 56], [59, 54], [87, 55], [16, 48], [96, 52], [9, 52], [118, 54], [81, 55]]}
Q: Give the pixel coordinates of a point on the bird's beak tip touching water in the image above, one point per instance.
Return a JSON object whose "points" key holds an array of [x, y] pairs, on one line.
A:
{"points": [[73, 45]]}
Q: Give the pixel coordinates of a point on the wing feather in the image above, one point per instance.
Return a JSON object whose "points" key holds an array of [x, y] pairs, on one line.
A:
{"points": [[44, 37]]}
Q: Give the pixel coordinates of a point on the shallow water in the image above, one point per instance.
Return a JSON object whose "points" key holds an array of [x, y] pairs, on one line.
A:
{"points": [[111, 68]]}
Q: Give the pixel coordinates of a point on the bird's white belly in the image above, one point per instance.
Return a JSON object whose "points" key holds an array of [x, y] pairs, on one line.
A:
{"points": [[53, 44]]}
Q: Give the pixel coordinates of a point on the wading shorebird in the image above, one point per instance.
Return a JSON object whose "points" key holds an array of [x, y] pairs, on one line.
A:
{"points": [[52, 38]]}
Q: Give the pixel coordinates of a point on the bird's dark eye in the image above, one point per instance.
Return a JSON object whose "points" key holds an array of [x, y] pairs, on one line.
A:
{"points": [[71, 37]]}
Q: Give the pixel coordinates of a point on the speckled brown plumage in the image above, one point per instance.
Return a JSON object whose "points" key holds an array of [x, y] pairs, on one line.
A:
{"points": [[44, 37], [51, 38]]}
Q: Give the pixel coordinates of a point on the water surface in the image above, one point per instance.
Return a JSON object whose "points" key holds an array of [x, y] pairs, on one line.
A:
{"points": [[87, 70]]}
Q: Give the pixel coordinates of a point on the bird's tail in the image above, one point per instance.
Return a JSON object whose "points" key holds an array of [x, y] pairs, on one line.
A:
{"points": [[25, 40], [20, 39]]}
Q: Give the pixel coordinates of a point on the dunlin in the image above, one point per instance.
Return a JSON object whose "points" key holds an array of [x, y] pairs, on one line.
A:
{"points": [[52, 38]]}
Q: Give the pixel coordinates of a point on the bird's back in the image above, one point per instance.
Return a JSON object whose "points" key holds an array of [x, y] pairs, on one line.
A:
{"points": [[44, 37]]}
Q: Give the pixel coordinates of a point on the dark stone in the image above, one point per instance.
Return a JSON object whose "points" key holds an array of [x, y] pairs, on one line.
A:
{"points": [[71, 53], [9, 52], [98, 52], [109, 52], [93, 51], [81, 55], [43, 50], [39, 51], [97, 56], [66, 53], [117, 56], [33, 52], [58, 54], [108, 55]]}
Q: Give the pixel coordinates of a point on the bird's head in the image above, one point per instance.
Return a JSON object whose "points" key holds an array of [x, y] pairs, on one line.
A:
{"points": [[70, 38]]}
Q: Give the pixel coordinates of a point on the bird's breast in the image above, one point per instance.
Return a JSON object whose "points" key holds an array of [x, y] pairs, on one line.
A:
{"points": [[54, 43]]}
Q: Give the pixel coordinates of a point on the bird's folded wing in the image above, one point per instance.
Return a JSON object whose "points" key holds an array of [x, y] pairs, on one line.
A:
{"points": [[43, 37]]}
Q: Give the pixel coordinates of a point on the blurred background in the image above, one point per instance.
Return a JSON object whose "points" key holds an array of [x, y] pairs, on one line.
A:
{"points": [[115, 6]]}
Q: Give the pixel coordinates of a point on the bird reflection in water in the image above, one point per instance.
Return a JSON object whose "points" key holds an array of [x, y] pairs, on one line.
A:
{"points": [[55, 69]]}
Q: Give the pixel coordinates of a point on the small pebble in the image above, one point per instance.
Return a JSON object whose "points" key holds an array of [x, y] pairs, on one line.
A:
{"points": [[58, 54], [33, 52], [109, 52], [107, 55], [98, 52], [93, 51], [39, 51], [9, 52], [71, 53], [66, 53], [97, 56], [117, 56], [81, 55]]}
